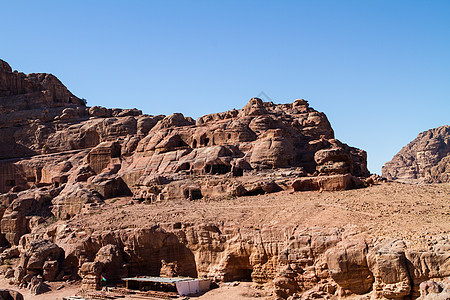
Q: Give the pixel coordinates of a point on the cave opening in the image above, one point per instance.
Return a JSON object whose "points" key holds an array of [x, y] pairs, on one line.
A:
{"points": [[239, 269], [193, 194], [238, 172], [10, 182], [196, 194], [220, 169], [184, 166], [255, 192]]}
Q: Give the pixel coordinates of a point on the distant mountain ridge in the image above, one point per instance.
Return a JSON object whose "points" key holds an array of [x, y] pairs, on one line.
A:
{"points": [[425, 160]]}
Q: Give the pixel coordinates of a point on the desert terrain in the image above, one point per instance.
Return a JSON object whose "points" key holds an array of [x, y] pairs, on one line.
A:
{"points": [[262, 201], [390, 210], [416, 214]]}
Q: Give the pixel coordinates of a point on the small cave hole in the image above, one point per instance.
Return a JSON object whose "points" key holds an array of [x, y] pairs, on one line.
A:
{"points": [[196, 194], [255, 192], [184, 167], [239, 269], [238, 172], [220, 169], [11, 182]]}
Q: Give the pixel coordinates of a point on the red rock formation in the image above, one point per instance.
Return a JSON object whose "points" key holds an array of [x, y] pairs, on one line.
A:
{"points": [[60, 159], [129, 150], [328, 262], [424, 160]]}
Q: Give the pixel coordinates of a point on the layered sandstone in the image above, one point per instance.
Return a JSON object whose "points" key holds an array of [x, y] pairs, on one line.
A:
{"points": [[64, 165], [291, 261], [52, 138], [425, 160]]}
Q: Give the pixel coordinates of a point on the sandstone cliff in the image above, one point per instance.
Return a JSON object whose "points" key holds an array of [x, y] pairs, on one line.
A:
{"points": [[425, 160], [90, 191], [263, 147]]}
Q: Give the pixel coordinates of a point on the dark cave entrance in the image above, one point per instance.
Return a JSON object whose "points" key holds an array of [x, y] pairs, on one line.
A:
{"points": [[193, 194], [10, 183], [238, 269]]}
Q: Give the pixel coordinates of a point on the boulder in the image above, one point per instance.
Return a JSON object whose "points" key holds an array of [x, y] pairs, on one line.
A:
{"points": [[348, 266], [387, 262], [327, 183], [10, 294], [50, 270], [74, 199], [37, 285], [42, 256], [111, 258], [90, 275]]}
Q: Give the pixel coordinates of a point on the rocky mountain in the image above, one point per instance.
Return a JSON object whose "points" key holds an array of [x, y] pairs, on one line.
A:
{"points": [[425, 160], [64, 167], [55, 139]]}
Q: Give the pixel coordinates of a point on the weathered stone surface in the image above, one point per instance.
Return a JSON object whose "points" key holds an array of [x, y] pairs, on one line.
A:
{"points": [[425, 160], [74, 199], [435, 290], [388, 264], [326, 183], [90, 274], [15, 220], [347, 265], [119, 151], [423, 265], [111, 258], [10, 294]]}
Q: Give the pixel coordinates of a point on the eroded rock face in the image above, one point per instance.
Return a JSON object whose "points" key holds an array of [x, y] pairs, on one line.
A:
{"points": [[435, 290], [10, 294], [39, 257], [261, 148], [424, 160], [334, 262], [60, 158]]}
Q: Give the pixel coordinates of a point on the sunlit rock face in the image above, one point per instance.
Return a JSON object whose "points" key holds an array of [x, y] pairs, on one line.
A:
{"points": [[425, 160], [60, 160]]}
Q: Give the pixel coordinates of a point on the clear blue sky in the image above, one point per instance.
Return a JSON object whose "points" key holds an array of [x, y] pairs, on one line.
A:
{"points": [[380, 70]]}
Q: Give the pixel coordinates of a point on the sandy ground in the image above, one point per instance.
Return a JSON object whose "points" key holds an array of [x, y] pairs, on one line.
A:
{"points": [[410, 212], [245, 290], [227, 291], [54, 294]]}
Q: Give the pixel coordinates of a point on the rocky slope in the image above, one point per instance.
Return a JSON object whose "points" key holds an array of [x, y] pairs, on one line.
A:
{"points": [[91, 191], [368, 243], [424, 160]]}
